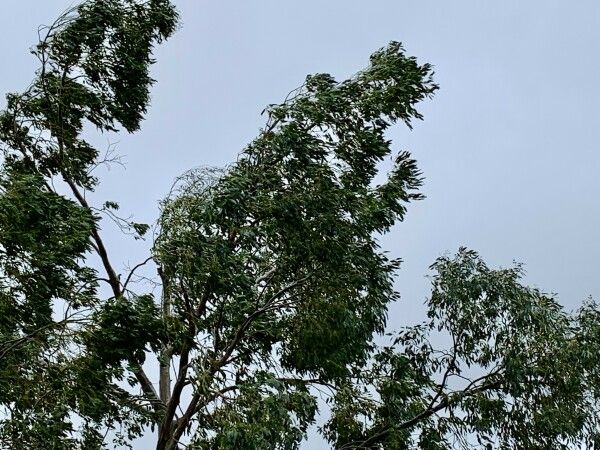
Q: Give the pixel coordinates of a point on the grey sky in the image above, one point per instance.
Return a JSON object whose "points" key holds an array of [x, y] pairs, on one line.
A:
{"points": [[508, 146]]}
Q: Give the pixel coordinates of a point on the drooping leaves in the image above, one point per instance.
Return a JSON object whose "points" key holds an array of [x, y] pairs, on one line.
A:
{"points": [[517, 374]]}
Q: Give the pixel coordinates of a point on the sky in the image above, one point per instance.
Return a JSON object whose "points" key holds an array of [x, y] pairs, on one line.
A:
{"points": [[508, 145]]}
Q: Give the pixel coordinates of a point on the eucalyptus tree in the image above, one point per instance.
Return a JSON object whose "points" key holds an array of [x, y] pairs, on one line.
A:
{"points": [[273, 286]]}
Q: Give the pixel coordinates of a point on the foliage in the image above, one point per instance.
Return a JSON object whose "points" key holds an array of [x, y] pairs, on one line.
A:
{"points": [[517, 375], [94, 68], [274, 289]]}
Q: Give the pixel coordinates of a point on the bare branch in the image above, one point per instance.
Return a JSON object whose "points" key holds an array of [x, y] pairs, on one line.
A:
{"points": [[132, 271]]}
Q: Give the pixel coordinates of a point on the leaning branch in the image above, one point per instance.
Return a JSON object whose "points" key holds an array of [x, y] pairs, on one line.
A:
{"points": [[447, 402], [113, 280]]}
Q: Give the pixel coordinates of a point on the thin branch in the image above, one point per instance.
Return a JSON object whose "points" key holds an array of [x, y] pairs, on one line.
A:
{"points": [[99, 244], [449, 369], [132, 271]]}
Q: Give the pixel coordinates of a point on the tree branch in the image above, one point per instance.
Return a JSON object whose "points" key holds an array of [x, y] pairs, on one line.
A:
{"points": [[384, 430], [132, 271]]}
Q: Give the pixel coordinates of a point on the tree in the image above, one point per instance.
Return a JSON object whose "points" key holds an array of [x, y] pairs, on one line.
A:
{"points": [[273, 286]]}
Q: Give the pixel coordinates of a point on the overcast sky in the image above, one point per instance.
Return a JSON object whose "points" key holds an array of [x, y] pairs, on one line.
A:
{"points": [[508, 145]]}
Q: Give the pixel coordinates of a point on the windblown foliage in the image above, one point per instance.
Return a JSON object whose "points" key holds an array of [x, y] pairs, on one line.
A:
{"points": [[94, 64], [274, 289]]}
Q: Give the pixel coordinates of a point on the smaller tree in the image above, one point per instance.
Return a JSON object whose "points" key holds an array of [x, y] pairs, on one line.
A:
{"points": [[519, 373]]}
